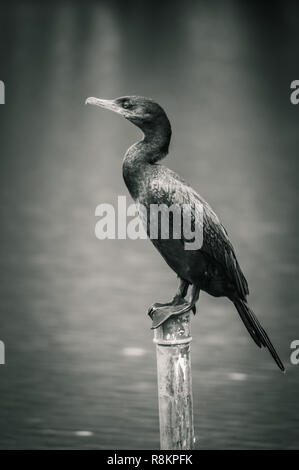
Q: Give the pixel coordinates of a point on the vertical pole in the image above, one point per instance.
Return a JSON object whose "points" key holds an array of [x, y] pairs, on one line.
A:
{"points": [[173, 340]]}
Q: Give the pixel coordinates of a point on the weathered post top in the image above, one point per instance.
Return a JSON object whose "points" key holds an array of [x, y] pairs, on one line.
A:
{"points": [[176, 330]]}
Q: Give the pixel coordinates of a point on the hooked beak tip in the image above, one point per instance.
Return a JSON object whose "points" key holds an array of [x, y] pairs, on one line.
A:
{"points": [[91, 100]]}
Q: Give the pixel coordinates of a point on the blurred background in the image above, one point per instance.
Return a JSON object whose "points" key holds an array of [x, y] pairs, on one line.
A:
{"points": [[80, 367]]}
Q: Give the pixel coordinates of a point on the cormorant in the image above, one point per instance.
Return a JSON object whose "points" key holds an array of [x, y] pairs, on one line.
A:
{"points": [[214, 267]]}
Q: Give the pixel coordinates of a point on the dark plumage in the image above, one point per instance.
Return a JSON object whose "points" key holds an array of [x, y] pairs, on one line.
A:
{"points": [[214, 267]]}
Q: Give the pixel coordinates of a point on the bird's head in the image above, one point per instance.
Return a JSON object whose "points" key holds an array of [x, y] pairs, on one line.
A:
{"points": [[143, 112]]}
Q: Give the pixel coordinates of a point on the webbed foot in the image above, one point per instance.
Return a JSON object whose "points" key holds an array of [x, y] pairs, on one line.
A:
{"points": [[159, 313]]}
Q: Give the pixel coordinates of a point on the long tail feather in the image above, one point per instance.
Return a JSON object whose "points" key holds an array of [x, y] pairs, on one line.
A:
{"points": [[256, 330]]}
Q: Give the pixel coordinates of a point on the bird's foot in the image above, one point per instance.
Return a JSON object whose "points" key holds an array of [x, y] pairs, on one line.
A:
{"points": [[159, 313]]}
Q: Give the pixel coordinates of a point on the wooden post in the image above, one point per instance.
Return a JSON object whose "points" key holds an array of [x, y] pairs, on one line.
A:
{"points": [[173, 340]]}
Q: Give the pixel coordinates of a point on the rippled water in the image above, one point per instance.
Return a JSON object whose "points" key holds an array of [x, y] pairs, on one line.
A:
{"points": [[80, 369]]}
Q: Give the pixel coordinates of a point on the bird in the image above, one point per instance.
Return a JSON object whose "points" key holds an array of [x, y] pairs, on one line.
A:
{"points": [[213, 267]]}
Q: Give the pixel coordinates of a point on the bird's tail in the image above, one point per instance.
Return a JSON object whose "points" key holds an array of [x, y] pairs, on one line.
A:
{"points": [[256, 330]]}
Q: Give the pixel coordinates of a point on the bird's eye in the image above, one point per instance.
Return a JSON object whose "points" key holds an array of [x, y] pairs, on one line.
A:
{"points": [[127, 105]]}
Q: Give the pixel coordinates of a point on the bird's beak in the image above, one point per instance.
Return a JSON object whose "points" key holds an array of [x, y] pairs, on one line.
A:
{"points": [[107, 104]]}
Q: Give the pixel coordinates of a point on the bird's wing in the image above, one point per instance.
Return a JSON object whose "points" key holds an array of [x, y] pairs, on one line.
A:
{"points": [[216, 244]]}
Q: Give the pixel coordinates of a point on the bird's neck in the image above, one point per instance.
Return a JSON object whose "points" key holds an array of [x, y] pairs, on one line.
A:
{"points": [[141, 155]]}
